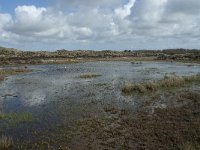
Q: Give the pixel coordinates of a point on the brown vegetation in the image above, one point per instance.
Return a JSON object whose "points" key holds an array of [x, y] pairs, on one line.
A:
{"points": [[168, 128], [167, 82], [6, 143], [89, 75], [6, 72], [12, 56]]}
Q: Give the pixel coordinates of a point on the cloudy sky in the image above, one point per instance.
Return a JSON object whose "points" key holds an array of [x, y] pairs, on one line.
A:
{"points": [[99, 24]]}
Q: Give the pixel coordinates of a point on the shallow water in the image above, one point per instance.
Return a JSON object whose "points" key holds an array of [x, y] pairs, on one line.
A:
{"points": [[55, 94]]}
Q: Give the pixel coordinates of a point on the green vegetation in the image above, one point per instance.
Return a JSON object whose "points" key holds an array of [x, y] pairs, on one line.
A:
{"points": [[89, 75], [167, 82], [2, 116], [6, 143], [14, 119]]}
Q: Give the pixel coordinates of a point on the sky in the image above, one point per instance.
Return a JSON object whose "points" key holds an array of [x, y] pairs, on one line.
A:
{"points": [[100, 24]]}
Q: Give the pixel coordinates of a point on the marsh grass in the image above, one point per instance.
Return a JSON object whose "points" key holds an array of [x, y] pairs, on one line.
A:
{"points": [[6, 72], [6, 142], [89, 75], [141, 88], [190, 146], [11, 71], [135, 62], [14, 119], [111, 109], [166, 83], [2, 116], [171, 81], [151, 86], [191, 96]]}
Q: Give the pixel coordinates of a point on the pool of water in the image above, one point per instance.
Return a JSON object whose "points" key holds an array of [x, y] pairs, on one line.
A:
{"points": [[55, 94]]}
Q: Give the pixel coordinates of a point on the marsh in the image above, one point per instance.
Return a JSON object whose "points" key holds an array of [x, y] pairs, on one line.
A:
{"points": [[54, 99]]}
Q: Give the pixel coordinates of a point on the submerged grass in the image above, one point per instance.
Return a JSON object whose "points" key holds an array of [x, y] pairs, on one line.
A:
{"points": [[167, 82], [14, 119], [89, 75]]}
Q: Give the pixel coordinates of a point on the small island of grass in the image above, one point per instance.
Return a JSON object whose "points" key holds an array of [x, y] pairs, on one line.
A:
{"points": [[89, 75]]}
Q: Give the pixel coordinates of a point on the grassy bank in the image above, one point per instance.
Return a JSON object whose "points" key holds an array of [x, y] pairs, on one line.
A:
{"points": [[166, 83]]}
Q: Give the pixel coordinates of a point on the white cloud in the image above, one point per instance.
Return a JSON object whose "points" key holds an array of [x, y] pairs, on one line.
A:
{"points": [[5, 19], [115, 24], [125, 10], [45, 23], [29, 18]]}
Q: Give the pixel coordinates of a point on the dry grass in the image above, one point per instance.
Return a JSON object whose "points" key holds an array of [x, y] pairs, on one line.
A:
{"points": [[168, 128], [171, 81], [6, 142], [6, 72], [111, 109], [89, 75], [141, 88], [167, 82], [151, 86], [191, 96], [191, 146]]}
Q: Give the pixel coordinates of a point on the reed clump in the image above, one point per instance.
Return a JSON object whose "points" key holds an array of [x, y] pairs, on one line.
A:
{"points": [[167, 82], [2, 116], [89, 75], [6, 142], [6, 72]]}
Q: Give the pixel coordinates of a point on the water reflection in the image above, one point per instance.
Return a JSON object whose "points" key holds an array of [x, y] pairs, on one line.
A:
{"points": [[55, 82]]}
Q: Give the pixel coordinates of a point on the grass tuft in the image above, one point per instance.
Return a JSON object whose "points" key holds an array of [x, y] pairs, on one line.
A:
{"points": [[6, 72], [2, 116], [151, 86], [167, 82], [89, 75], [6, 142]]}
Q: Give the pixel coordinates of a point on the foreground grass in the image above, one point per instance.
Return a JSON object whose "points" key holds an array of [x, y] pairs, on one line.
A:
{"points": [[89, 75], [166, 83], [6, 72], [6, 143], [168, 128]]}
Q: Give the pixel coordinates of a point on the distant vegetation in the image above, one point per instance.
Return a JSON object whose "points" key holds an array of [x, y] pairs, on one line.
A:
{"points": [[13, 56]]}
